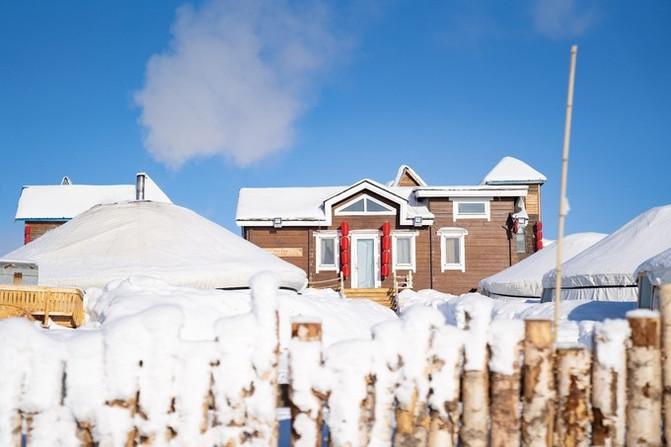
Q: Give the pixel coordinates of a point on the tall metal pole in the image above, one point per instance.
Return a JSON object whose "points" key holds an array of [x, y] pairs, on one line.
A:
{"points": [[563, 200]]}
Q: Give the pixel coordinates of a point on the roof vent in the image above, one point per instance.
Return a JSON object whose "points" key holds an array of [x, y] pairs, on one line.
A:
{"points": [[139, 185]]}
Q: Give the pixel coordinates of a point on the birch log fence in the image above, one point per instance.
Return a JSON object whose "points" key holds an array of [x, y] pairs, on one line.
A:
{"points": [[411, 384]]}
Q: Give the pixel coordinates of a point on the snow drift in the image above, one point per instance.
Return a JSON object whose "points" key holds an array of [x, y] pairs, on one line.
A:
{"points": [[525, 279], [161, 240], [604, 272]]}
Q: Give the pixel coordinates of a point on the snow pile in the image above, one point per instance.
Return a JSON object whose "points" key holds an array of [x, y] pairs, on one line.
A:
{"points": [[577, 316], [604, 272], [657, 268], [504, 339], [525, 278], [512, 171], [162, 240]]}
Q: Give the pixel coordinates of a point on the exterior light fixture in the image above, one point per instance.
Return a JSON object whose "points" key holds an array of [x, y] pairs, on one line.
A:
{"points": [[277, 222], [417, 221]]}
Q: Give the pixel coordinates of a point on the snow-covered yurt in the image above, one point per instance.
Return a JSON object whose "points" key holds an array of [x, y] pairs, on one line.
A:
{"points": [[651, 274], [605, 272], [525, 279], [161, 240]]}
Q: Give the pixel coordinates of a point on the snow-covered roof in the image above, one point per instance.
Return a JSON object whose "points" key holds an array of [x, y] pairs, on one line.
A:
{"points": [[657, 268], [473, 191], [609, 264], [511, 171], [65, 201], [160, 240], [525, 279], [312, 205], [411, 172]]}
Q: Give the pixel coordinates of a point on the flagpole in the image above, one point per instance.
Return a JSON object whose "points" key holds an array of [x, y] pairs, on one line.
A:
{"points": [[563, 200]]}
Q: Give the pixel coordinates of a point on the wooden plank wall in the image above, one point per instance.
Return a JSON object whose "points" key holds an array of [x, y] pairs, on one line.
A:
{"points": [[38, 229]]}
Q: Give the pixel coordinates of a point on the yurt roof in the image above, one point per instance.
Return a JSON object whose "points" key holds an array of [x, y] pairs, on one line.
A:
{"points": [[525, 278], [612, 261], [657, 268], [161, 240]]}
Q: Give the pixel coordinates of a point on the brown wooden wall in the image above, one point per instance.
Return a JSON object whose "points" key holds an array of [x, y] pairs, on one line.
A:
{"points": [[487, 247], [38, 229]]}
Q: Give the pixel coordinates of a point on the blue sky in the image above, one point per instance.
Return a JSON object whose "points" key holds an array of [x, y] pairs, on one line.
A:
{"points": [[302, 93]]}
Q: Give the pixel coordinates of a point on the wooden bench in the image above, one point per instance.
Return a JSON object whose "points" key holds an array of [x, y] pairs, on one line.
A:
{"points": [[64, 306]]}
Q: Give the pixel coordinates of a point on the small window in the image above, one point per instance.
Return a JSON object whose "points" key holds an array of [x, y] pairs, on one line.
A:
{"points": [[452, 248], [327, 252], [470, 209], [520, 243], [403, 251], [365, 205]]}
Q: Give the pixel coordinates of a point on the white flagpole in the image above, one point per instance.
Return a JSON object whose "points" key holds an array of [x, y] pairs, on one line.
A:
{"points": [[563, 200]]}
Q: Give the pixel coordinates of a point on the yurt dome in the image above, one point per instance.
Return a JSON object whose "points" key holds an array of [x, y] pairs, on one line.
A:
{"points": [[161, 240], [525, 279], [605, 272]]}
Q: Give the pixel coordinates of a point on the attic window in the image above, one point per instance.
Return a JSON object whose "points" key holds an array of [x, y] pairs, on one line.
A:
{"points": [[364, 205], [470, 209]]}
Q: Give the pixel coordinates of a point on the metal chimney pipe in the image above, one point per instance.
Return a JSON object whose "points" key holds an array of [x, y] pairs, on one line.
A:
{"points": [[139, 185]]}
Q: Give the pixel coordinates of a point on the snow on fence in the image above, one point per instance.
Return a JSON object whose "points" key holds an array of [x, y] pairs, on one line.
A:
{"points": [[416, 382]]}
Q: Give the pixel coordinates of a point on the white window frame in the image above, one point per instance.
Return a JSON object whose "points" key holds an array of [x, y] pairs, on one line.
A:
{"points": [[319, 267], [412, 235], [457, 215], [453, 233], [390, 211]]}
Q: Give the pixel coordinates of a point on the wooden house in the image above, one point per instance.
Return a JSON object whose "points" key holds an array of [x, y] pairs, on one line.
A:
{"points": [[449, 237], [45, 207]]}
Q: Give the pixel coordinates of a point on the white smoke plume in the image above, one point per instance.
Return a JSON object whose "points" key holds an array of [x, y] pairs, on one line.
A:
{"points": [[235, 78]]}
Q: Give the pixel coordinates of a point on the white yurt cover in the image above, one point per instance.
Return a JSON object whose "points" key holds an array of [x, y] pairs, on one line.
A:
{"points": [[657, 268], [161, 240], [604, 272], [525, 279]]}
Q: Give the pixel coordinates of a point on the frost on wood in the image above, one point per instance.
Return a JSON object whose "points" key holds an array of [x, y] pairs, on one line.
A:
{"points": [[644, 381], [505, 346], [538, 385], [609, 374]]}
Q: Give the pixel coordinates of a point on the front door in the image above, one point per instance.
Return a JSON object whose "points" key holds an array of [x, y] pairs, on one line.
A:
{"points": [[365, 263]]}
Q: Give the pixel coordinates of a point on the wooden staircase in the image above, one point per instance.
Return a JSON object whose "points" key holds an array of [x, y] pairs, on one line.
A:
{"points": [[382, 296]]}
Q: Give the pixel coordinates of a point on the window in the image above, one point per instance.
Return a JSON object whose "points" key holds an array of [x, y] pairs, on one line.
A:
{"points": [[470, 209], [365, 205], [452, 249], [403, 250], [520, 243], [327, 247]]}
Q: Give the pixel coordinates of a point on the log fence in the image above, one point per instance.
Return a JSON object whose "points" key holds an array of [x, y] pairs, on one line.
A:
{"points": [[411, 384]]}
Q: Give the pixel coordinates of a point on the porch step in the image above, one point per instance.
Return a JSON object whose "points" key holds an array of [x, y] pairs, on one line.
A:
{"points": [[381, 296]]}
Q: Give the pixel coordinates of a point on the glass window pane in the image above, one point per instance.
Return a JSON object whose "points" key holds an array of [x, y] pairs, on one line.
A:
{"points": [[520, 243], [403, 251], [354, 207], [471, 208], [327, 252], [374, 206], [452, 250]]}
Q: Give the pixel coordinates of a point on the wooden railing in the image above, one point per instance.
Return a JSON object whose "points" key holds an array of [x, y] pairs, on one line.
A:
{"points": [[63, 305], [337, 283]]}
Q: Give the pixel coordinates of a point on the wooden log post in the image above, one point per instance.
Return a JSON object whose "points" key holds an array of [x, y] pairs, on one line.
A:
{"points": [[445, 366], [644, 380], [538, 384], [475, 417], [573, 391], [609, 375], [306, 404], [665, 308], [505, 376]]}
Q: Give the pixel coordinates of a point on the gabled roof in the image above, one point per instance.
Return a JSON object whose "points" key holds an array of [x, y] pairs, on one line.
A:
{"points": [[407, 171], [65, 201], [511, 171], [312, 206]]}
